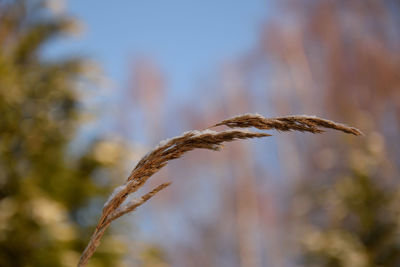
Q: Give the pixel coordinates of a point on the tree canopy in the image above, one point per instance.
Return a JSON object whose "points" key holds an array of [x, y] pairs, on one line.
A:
{"points": [[46, 192]]}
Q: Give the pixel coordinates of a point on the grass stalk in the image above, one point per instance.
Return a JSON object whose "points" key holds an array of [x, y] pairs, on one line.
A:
{"points": [[117, 204]]}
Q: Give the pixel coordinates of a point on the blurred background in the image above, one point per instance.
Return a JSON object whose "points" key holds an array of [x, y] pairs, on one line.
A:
{"points": [[88, 87]]}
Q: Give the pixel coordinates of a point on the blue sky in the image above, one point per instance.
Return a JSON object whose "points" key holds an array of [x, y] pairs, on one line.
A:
{"points": [[186, 39]]}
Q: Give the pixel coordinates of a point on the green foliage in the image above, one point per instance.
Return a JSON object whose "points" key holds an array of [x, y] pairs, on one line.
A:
{"points": [[355, 222], [46, 194]]}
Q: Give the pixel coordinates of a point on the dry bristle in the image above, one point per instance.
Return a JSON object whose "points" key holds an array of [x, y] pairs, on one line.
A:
{"points": [[133, 204], [207, 139], [290, 123]]}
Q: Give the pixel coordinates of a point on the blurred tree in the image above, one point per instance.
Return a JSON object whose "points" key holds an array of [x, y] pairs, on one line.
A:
{"points": [[46, 193], [338, 59], [343, 58], [353, 222]]}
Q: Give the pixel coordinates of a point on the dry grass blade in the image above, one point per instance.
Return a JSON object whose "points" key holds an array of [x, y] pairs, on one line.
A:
{"points": [[174, 148]]}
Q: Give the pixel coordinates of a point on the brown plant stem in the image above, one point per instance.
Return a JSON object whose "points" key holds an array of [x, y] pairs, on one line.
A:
{"points": [[174, 148]]}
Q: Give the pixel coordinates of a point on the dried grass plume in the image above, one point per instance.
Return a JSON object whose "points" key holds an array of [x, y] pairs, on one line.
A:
{"points": [[117, 204]]}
